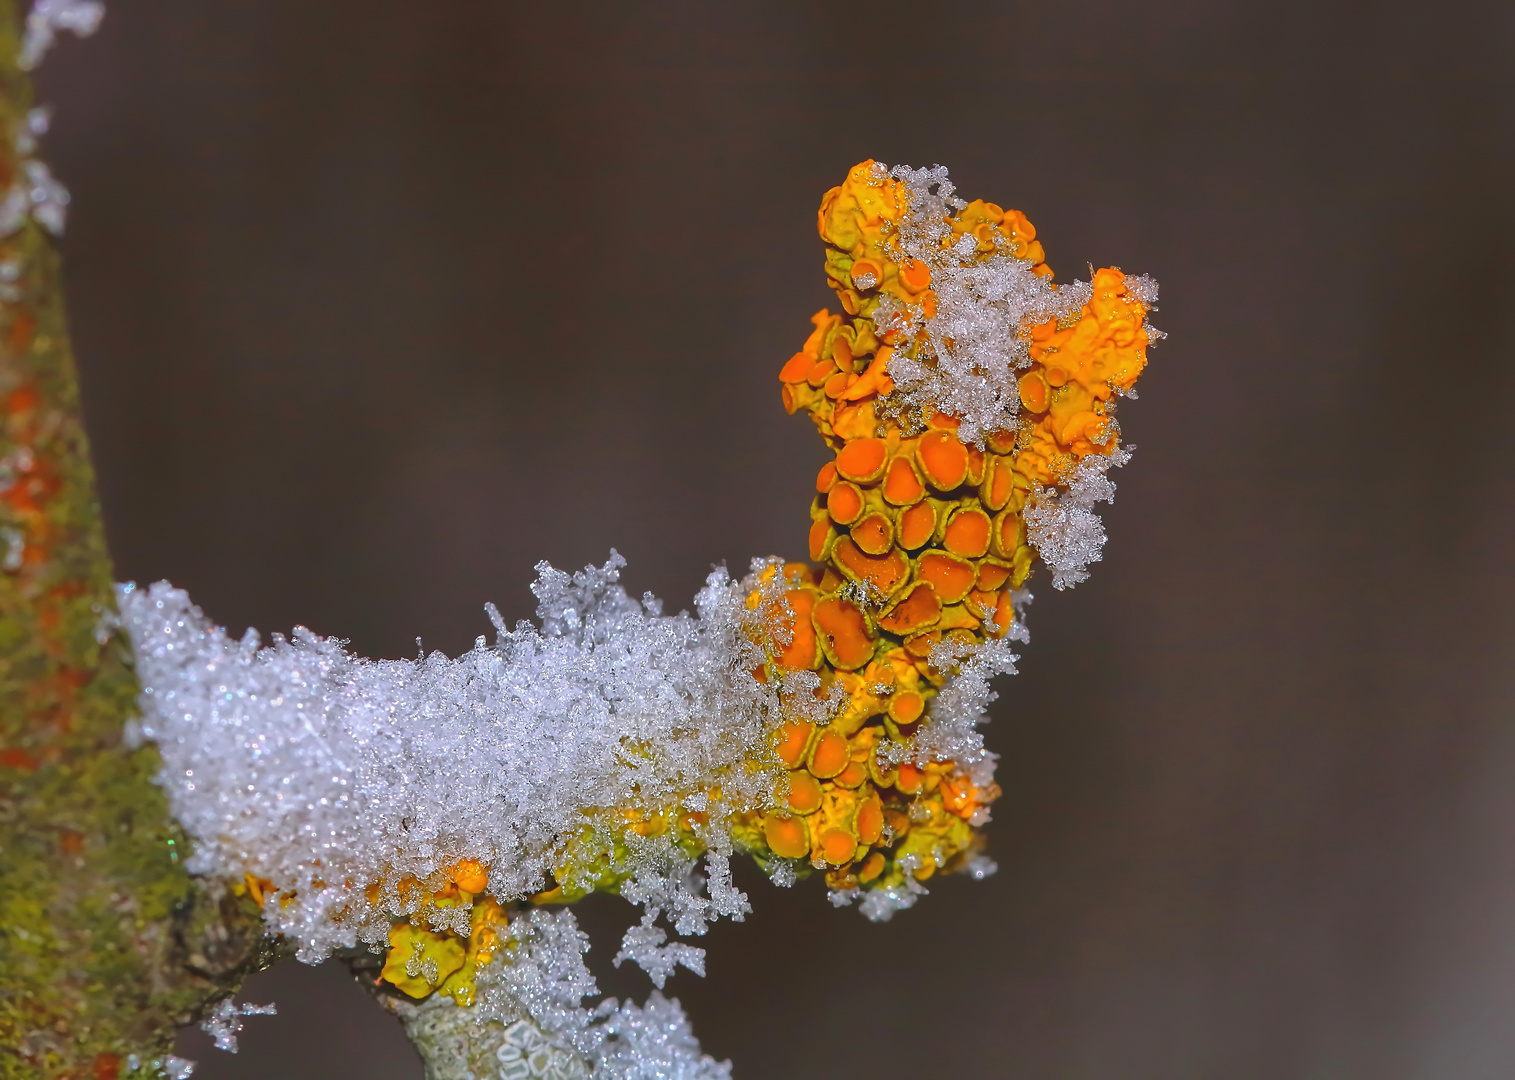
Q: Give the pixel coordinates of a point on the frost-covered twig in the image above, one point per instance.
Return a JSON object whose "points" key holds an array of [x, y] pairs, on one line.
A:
{"points": [[109, 942]]}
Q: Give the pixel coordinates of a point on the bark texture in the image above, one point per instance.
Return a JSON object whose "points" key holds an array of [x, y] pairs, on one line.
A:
{"points": [[106, 943]]}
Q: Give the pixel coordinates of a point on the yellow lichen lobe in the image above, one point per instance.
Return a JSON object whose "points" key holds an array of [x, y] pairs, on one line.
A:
{"points": [[421, 961]]}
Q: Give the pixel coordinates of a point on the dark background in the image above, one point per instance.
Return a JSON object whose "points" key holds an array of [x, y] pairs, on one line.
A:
{"points": [[378, 303]]}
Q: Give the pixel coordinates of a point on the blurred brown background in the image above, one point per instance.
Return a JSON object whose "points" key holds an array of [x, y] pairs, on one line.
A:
{"points": [[379, 303]]}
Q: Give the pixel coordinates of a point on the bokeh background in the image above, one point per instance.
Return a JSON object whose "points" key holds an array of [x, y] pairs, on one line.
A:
{"points": [[379, 303]]}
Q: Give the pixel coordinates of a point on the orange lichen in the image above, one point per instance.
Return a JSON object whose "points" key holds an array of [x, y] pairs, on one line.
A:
{"points": [[830, 754], [843, 633], [852, 776], [999, 483], [787, 837], [886, 572], [803, 650], [918, 610], [804, 793], [915, 275], [928, 525], [820, 538], [902, 486], [873, 533], [844, 502], [793, 741], [862, 460], [949, 575], [992, 576], [257, 887], [906, 707], [943, 460], [470, 876], [967, 532], [421, 961], [917, 524], [837, 846], [798, 367], [868, 822]]}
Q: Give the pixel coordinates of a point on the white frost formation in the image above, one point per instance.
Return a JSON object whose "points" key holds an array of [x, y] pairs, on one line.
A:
{"points": [[547, 978], [324, 772], [36, 193], [224, 1022], [969, 353], [1063, 526], [48, 17], [170, 1066], [963, 702]]}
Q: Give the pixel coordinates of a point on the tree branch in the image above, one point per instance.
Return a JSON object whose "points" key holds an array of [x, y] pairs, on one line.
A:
{"points": [[106, 943]]}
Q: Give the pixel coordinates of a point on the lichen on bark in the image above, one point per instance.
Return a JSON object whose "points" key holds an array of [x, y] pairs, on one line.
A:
{"points": [[106, 943]]}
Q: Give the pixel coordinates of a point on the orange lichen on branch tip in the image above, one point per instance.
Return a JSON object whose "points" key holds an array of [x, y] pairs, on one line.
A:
{"points": [[919, 533]]}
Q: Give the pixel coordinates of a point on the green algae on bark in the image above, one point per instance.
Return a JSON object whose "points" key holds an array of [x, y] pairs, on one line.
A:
{"points": [[106, 943]]}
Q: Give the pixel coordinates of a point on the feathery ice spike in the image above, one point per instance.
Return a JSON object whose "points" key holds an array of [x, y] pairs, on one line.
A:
{"points": [[817, 717]]}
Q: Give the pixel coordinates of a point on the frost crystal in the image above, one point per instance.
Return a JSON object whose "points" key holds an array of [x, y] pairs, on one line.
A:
{"points": [[48, 17], [981, 867], [303, 765], [952, 731], [879, 905], [170, 1066], [225, 1021], [1063, 526], [15, 548], [966, 357], [654, 1042], [38, 194], [644, 945], [48, 197], [321, 771], [547, 978]]}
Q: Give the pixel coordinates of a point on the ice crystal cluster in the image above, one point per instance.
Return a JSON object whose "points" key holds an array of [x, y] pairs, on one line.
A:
{"points": [[170, 1066], [969, 353], [1063, 526], [302, 764], [224, 1021], [547, 980], [35, 193]]}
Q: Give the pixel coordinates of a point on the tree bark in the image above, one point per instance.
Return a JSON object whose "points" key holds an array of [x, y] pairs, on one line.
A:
{"points": [[106, 943]]}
